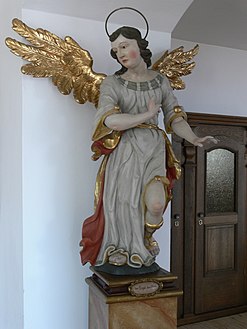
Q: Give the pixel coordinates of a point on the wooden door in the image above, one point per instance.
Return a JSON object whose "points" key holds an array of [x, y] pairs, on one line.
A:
{"points": [[209, 220], [220, 228]]}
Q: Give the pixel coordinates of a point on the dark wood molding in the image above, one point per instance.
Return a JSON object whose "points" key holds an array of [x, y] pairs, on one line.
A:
{"points": [[216, 119]]}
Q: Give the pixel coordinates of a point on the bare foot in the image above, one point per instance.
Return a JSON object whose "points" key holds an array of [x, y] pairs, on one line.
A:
{"points": [[118, 259]]}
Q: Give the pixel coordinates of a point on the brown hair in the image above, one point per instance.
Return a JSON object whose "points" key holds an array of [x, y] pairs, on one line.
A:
{"points": [[131, 33]]}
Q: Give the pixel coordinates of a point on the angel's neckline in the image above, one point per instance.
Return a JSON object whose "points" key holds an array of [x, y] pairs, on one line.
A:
{"points": [[147, 75], [143, 85]]}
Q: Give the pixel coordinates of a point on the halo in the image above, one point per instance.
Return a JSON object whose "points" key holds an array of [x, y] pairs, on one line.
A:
{"points": [[130, 8]]}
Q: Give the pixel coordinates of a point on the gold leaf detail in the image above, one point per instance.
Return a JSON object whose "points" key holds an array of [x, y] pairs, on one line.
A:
{"points": [[69, 65], [176, 64]]}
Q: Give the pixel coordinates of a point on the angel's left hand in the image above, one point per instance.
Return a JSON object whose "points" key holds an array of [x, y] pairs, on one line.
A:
{"points": [[200, 141]]}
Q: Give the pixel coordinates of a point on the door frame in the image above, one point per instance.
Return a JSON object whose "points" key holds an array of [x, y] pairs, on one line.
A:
{"points": [[183, 209]]}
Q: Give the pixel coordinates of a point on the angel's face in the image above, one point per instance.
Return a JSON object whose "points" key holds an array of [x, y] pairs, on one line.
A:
{"points": [[127, 52]]}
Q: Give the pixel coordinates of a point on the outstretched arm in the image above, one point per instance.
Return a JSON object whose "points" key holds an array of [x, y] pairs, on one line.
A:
{"points": [[183, 130], [125, 121]]}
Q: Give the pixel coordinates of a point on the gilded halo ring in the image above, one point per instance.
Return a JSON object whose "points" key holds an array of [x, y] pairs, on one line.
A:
{"points": [[129, 8]]}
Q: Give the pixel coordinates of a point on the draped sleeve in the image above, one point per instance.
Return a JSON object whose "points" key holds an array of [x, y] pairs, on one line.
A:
{"points": [[170, 106], [105, 140], [108, 104]]}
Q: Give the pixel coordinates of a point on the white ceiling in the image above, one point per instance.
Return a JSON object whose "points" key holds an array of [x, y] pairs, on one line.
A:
{"points": [[162, 15], [215, 22]]}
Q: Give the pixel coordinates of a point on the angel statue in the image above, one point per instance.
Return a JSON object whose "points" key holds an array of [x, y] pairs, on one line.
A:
{"points": [[134, 181]]}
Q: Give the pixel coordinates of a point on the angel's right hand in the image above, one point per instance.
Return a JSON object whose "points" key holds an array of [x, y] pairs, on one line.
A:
{"points": [[153, 108]]}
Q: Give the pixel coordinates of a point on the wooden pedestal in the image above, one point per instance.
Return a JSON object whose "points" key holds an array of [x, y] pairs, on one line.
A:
{"points": [[133, 302]]}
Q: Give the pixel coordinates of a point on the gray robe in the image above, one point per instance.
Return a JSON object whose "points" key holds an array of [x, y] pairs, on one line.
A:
{"points": [[138, 158]]}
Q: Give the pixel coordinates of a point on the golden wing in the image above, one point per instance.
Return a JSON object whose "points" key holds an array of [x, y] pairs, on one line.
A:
{"points": [[69, 66], [176, 64]]}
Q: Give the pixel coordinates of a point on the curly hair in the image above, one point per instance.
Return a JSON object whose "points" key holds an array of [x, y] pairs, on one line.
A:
{"points": [[131, 33]]}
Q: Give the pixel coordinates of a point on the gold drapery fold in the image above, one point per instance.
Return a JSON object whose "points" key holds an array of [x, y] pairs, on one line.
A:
{"points": [[105, 139], [101, 129]]}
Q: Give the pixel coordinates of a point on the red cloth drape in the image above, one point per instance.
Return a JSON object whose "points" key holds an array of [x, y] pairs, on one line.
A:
{"points": [[92, 233]]}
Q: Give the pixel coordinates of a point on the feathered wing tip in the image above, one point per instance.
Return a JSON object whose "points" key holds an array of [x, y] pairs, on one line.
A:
{"points": [[69, 65], [176, 64]]}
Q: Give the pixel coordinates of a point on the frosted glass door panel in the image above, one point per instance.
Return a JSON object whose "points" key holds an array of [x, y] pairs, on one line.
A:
{"points": [[220, 181]]}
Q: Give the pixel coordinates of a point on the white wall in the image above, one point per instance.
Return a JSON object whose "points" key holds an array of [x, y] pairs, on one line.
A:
{"points": [[11, 282], [217, 83], [45, 141], [58, 182]]}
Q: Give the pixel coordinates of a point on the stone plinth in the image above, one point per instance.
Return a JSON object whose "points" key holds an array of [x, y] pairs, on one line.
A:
{"points": [[133, 302]]}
